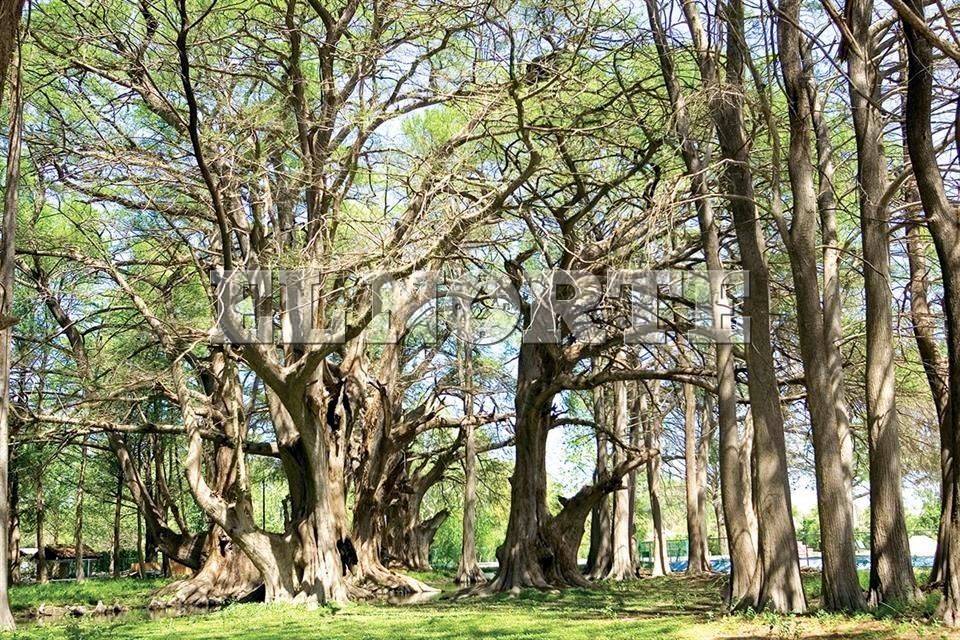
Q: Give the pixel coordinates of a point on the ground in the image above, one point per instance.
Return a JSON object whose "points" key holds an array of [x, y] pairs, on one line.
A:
{"points": [[131, 592], [652, 608]]}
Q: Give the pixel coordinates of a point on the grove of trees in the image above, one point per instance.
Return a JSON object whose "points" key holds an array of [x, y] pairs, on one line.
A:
{"points": [[305, 295]]}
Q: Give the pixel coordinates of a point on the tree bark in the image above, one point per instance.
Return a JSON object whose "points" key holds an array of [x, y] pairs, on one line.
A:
{"points": [[383, 442], [115, 559], [407, 538], [636, 441], [696, 562], [141, 558], [78, 516], [935, 367], [891, 569], [775, 580], [600, 553], [942, 220], [735, 486], [621, 565], [653, 430], [831, 433], [468, 571], [540, 549], [225, 573], [10, 11], [10, 24]]}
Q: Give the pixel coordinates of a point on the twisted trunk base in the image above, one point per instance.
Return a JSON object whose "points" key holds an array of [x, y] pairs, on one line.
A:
{"points": [[408, 546], [373, 578], [227, 575]]}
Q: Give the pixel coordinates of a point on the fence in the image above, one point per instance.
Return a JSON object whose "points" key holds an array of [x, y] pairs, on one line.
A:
{"points": [[677, 549]]}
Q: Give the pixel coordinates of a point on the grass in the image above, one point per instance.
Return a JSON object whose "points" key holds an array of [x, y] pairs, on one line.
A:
{"points": [[131, 592], [653, 608]]}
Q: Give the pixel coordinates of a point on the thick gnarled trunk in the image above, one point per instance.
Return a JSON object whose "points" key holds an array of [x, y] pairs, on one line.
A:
{"points": [[540, 549], [223, 573], [226, 575], [527, 557]]}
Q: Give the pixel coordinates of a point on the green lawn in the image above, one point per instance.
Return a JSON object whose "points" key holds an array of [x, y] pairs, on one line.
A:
{"points": [[653, 608], [131, 592]]}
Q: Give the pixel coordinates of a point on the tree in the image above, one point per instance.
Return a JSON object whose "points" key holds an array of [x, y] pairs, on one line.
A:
{"points": [[697, 560], [735, 490], [468, 570], [891, 568], [622, 543], [9, 29], [941, 217], [652, 420], [774, 580], [833, 444]]}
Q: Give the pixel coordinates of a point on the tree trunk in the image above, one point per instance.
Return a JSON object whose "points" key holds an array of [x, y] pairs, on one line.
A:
{"points": [[891, 570], [407, 541], [735, 486], [225, 574], [652, 433], [40, 507], [942, 220], [407, 538], [10, 11], [935, 368], [600, 553], [831, 433], [775, 580], [540, 549], [934, 364], [636, 436], [141, 558], [78, 517], [382, 448], [15, 576], [468, 571], [696, 562], [115, 568], [621, 564], [707, 428], [526, 557]]}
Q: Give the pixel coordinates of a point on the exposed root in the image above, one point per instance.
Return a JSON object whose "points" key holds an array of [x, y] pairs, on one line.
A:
{"points": [[380, 581], [949, 612], [471, 576], [202, 592], [226, 576]]}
